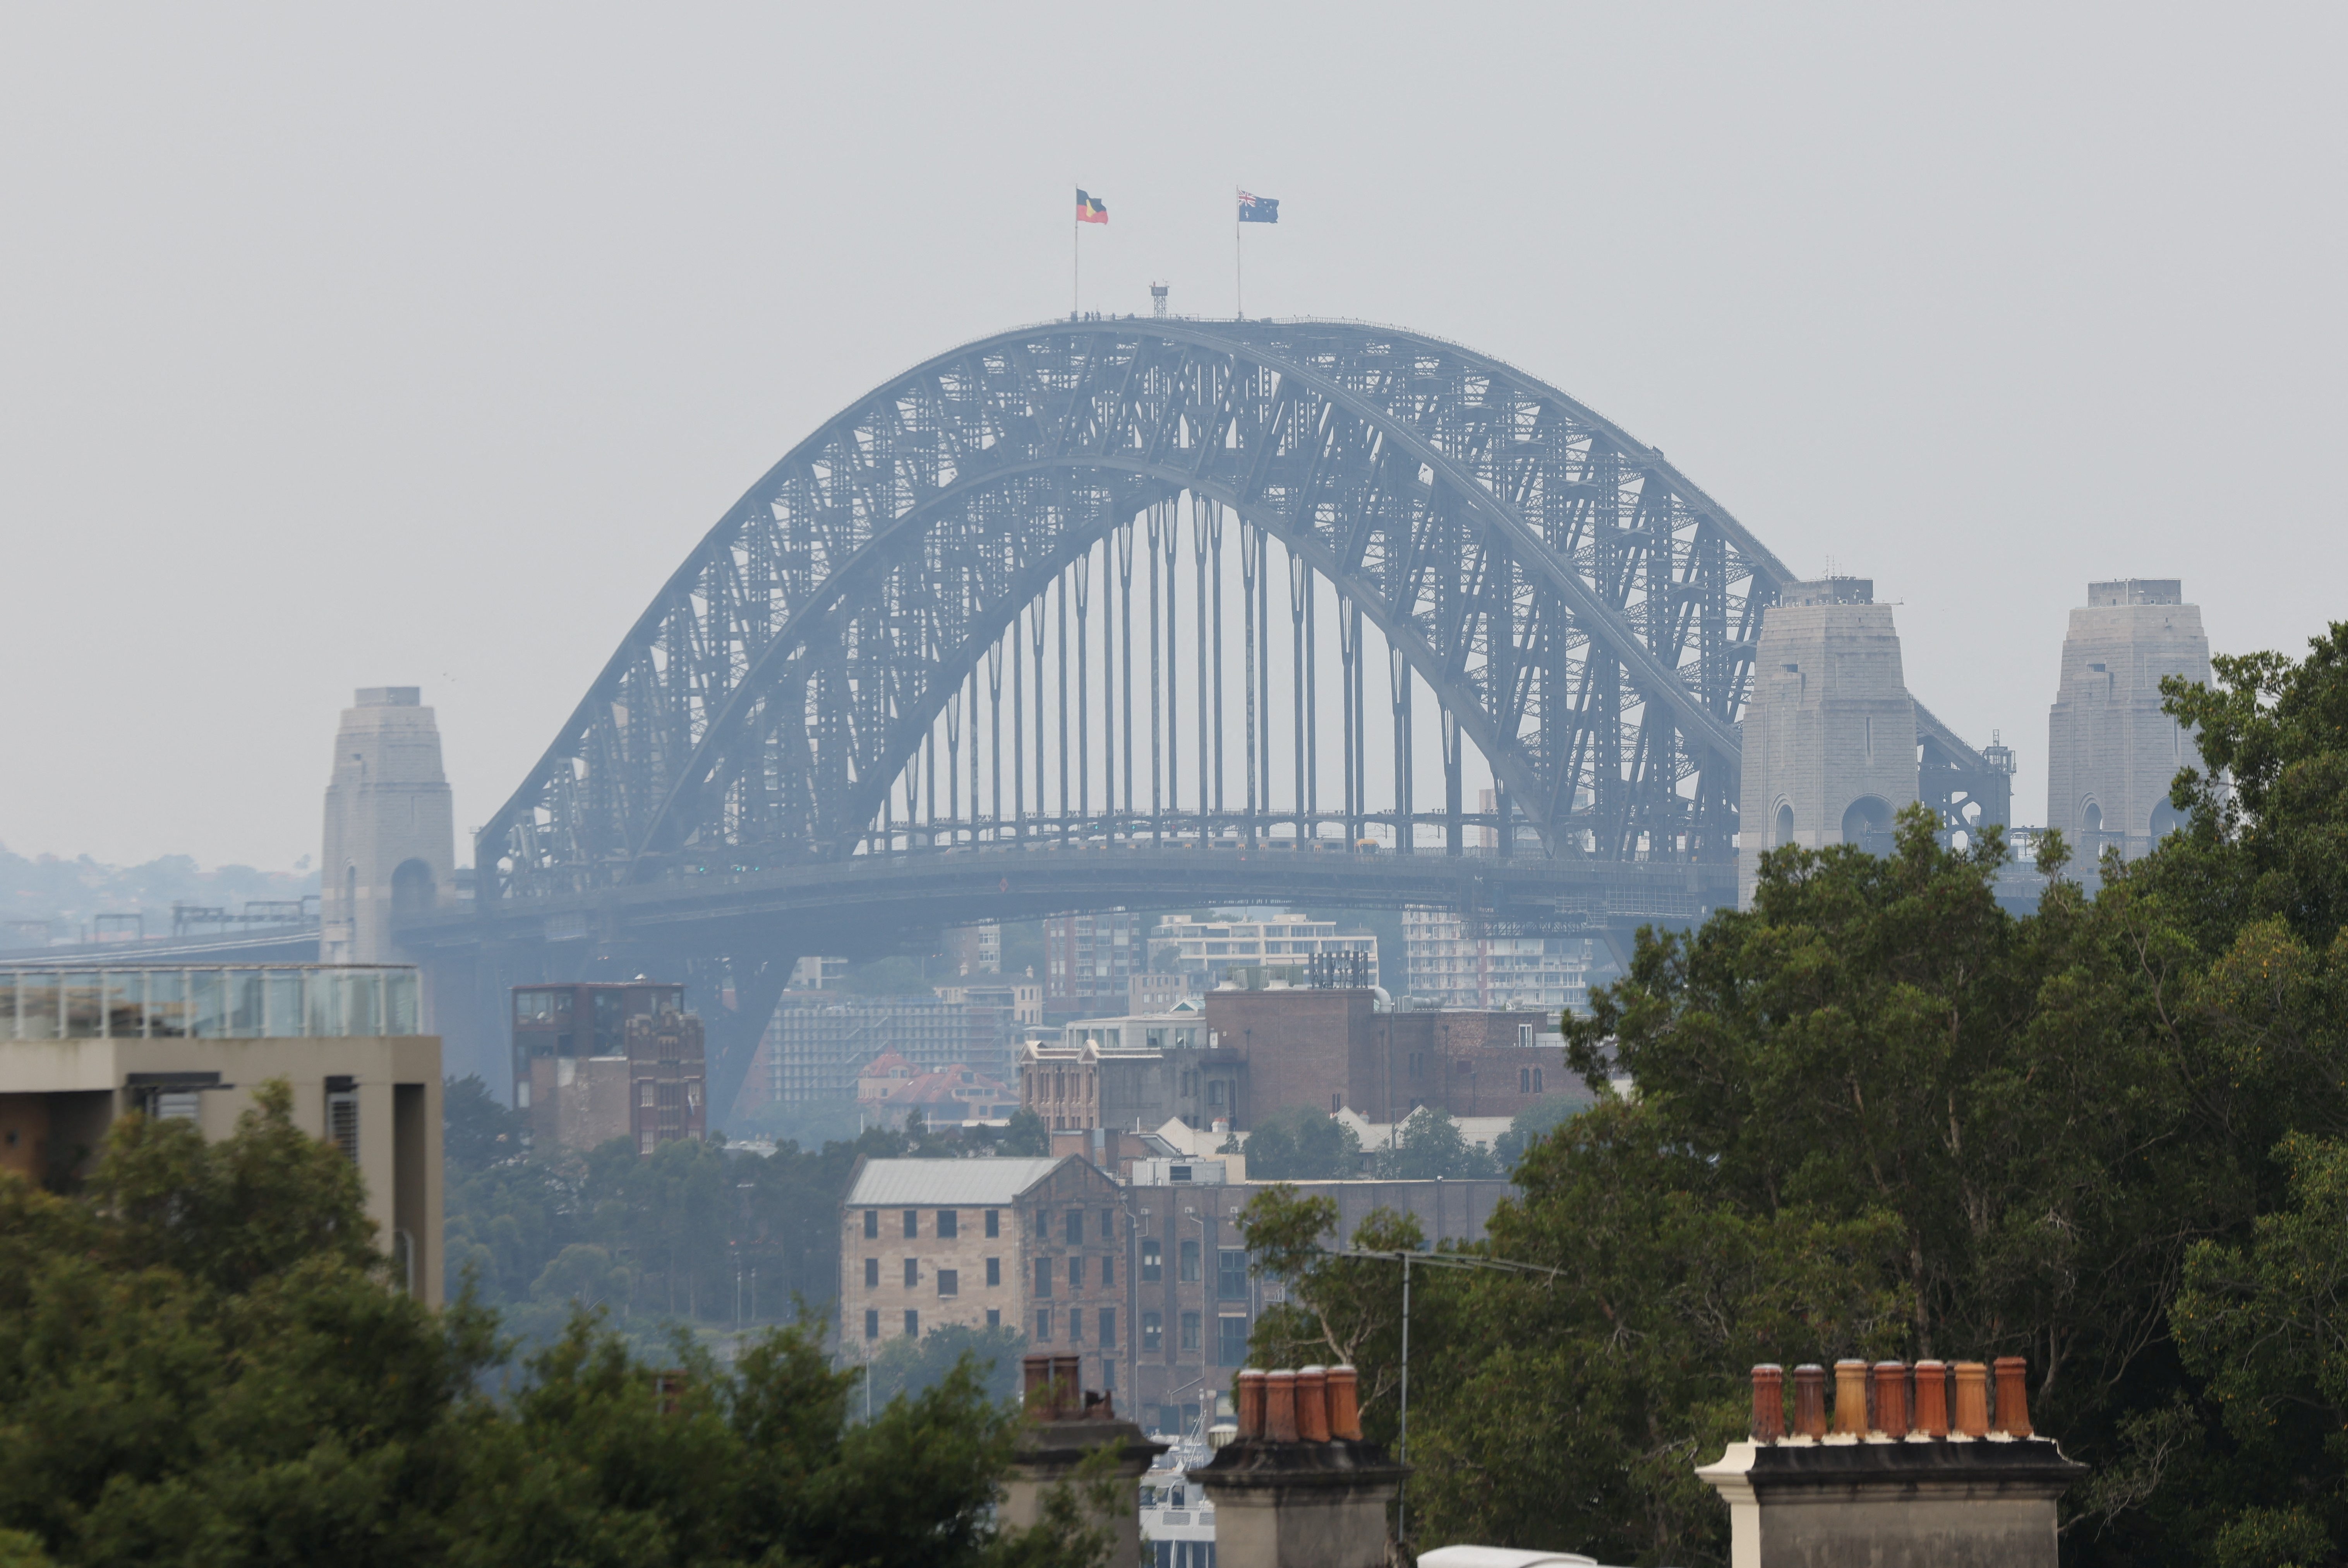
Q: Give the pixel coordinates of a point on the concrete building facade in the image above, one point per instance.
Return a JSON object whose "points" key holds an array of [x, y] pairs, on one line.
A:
{"points": [[1829, 737], [1211, 948], [82, 1047], [1454, 966], [390, 850], [2111, 753]]}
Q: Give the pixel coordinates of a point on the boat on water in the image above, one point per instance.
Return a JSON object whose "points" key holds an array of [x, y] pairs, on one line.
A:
{"points": [[1178, 1522]]}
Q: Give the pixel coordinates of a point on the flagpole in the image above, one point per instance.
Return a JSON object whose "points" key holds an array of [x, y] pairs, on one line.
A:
{"points": [[1075, 258], [1238, 262]]}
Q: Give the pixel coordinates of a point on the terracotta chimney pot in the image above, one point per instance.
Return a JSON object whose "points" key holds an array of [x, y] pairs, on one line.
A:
{"points": [[1972, 1399], [1280, 1407], [1851, 1398], [1932, 1398], [2012, 1397], [1251, 1402], [1768, 1402], [1312, 1404], [1890, 1399], [1345, 1404], [1809, 1400]]}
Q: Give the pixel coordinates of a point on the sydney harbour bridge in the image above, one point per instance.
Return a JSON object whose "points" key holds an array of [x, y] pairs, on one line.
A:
{"points": [[1159, 613]]}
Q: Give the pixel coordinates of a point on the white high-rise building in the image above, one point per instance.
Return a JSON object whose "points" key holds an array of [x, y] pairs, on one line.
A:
{"points": [[1456, 967]]}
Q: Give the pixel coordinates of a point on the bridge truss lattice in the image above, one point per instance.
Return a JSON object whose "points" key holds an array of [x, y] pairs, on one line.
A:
{"points": [[1047, 539]]}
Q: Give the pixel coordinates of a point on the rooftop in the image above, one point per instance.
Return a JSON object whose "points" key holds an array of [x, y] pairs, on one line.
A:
{"points": [[945, 1183]]}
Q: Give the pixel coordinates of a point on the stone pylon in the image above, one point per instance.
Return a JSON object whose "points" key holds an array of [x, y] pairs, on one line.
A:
{"points": [[2111, 753], [391, 836], [1830, 729]]}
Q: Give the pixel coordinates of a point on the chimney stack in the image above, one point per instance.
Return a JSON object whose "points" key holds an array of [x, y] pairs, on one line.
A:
{"points": [[1298, 1487], [1892, 1483], [1066, 1425]]}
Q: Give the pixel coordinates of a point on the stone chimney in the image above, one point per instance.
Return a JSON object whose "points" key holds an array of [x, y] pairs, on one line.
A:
{"points": [[1913, 1469], [1066, 1426], [1298, 1487]]}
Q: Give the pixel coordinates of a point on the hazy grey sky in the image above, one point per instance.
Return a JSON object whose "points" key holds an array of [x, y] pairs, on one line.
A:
{"points": [[416, 344]]}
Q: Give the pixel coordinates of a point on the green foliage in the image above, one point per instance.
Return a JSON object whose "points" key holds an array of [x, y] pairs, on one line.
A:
{"points": [[201, 1362], [478, 1130], [1876, 1114], [1025, 1135], [1534, 1123], [1301, 1145], [912, 1364], [655, 1241], [1432, 1146]]}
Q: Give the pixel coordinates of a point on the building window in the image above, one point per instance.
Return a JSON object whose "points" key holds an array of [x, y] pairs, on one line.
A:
{"points": [[994, 1317], [1108, 1274], [1076, 1324], [1231, 1274], [1076, 1275], [949, 1282], [994, 1271], [1042, 1276], [1153, 1331], [1075, 1227], [1189, 1262], [872, 1324], [913, 1222], [1190, 1331], [871, 1274], [912, 1272], [1153, 1267], [1215, 1091], [994, 1223], [1524, 1080], [1108, 1329], [913, 1324], [1537, 1080], [1042, 1326], [949, 1224], [1230, 1341], [1108, 1225]]}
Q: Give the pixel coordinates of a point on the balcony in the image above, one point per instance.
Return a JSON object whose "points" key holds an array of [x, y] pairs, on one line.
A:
{"points": [[281, 1001]]}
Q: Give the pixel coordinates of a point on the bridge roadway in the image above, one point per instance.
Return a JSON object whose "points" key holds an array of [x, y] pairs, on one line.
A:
{"points": [[880, 902]]}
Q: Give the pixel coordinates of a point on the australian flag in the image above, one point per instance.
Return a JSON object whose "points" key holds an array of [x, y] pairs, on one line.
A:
{"points": [[1258, 209]]}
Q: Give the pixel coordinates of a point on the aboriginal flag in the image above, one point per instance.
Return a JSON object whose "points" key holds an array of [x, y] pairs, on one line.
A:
{"points": [[1259, 208], [1091, 209]]}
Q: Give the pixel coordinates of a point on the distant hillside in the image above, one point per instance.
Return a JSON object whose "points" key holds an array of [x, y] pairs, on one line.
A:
{"points": [[67, 892]]}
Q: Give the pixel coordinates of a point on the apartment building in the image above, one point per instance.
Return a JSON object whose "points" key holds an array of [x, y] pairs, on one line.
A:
{"points": [[1089, 961], [195, 1041], [1454, 967], [1181, 944]]}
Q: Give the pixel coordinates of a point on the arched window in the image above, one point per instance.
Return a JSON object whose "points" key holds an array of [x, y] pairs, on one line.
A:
{"points": [[1868, 825], [411, 891], [1785, 828]]}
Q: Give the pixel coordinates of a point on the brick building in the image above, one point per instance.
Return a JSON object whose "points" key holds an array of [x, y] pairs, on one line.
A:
{"points": [[1250, 1054], [1035, 1244]]}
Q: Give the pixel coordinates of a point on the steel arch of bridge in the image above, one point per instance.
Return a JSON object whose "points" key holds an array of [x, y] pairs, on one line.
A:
{"points": [[1585, 614]]}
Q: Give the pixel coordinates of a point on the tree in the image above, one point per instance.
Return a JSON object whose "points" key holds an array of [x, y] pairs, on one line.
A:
{"points": [[1302, 1144], [202, 1360], [1025, 1134], [1534, 1123], [478, 1131], [909, 1364], [1432, 1146]]}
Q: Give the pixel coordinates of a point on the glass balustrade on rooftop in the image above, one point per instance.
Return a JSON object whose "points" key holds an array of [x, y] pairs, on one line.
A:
{"points": [[271, 1001]]}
